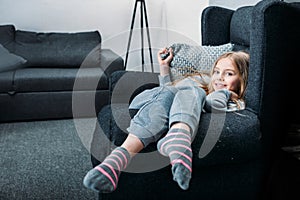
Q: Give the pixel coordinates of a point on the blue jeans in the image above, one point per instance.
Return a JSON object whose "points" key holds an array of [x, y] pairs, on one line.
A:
{"points": [[164, 106]]}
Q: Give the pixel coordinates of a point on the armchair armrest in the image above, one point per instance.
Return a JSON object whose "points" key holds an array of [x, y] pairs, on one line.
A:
{"points": [[215, 25], [124, 85]]}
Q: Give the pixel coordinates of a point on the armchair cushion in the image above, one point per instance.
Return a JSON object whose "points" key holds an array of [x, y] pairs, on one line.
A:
{"points": [[238, 142], [189, 59]]}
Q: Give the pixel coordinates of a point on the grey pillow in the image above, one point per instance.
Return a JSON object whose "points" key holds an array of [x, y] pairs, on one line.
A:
{"points": [[9, 61], [191, 58]]}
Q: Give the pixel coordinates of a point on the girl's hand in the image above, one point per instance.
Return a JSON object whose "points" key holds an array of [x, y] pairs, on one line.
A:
{"points": [[234, 96], [165, 63], [168, 59]]}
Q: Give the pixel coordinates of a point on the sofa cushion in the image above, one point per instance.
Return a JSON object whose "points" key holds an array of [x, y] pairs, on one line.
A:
{"points": [[191, 58], [6, 81], [59, 79], [10, 61], [55, 49]]}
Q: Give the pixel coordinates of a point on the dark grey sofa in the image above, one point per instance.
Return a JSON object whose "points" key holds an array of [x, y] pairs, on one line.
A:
{"points": [[240, 164], [66, 75]]}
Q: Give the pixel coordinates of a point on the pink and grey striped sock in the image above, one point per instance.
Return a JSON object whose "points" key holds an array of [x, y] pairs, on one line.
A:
{"points": [[104, 177], [177, 145]]}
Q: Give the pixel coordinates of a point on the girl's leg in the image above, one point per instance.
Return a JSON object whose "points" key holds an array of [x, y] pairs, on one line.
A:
{"points": [[184, 119], [148, 124], [104, 177], [177, 145]]}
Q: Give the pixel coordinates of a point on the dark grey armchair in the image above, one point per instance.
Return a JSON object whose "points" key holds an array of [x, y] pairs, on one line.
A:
{"points": [[238, 167]]}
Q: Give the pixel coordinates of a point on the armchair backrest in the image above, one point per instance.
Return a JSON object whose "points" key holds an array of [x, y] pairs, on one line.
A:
{"points": [[269, 31]]}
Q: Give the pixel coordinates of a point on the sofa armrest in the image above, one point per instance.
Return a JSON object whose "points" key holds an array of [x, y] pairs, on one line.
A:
{"points": [[215, 25], [110, 61]]}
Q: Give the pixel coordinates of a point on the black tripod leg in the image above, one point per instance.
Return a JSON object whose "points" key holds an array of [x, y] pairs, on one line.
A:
{"points": [[130, 34], [148, 36], [142, 37], [143, 12]]}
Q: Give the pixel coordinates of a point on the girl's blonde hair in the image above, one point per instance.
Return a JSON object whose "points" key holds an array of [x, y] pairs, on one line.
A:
{"points": [[240, 59]]}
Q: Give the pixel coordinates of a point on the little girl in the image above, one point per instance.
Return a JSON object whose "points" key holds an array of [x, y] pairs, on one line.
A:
{"points": [[175, 109]]}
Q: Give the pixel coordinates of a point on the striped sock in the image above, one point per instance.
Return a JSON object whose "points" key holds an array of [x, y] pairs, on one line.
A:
{"points": [[104, 177], [177, 145]]}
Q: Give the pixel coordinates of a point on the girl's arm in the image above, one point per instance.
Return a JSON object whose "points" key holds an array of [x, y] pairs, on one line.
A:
{"points": [[217, 100], [164, 65]]}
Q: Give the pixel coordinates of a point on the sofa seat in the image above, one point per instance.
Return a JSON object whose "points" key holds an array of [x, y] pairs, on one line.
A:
{"points": [[6, 81], [58, 79]]}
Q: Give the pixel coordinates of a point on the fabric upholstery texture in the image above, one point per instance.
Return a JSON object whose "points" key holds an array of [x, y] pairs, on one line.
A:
{"points": [[58, 79], [6, 80], [239, 141], [219, 33], [239, 24], [55, 49], [7, 33]]}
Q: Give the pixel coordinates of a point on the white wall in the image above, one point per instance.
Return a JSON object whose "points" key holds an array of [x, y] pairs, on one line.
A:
{"points": [[110, 17], [232, 4], [170, 21]]}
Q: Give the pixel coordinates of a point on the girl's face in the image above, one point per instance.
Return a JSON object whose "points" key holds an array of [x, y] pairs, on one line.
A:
{"points": [[225, 75]]}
